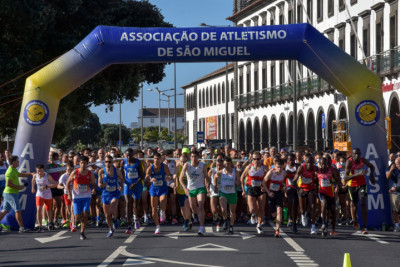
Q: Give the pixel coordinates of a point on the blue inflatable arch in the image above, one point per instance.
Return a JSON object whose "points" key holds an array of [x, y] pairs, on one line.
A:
{"points": [[114, 45]]}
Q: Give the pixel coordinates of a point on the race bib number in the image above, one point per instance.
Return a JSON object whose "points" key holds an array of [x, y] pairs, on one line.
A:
{"points": [[325, 183], [306, 180], [229, 189], [132, 175], [158, 183], [274, 187], [255, 183], [358, 171], [82, 188], [111, 188]]}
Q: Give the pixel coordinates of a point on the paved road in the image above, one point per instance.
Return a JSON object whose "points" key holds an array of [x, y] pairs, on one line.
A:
{"points": [[177, 248]]}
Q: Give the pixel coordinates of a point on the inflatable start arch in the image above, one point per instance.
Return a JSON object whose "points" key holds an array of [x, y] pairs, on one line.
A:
{"points": [[117, 45]]}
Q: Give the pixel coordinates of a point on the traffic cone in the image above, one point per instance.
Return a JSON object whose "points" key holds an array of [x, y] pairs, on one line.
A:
{"points": [[346, 260]]}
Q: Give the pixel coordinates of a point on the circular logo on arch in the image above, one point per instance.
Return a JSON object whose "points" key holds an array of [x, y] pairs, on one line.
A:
{"points": [[367, 112], [36, 112]]}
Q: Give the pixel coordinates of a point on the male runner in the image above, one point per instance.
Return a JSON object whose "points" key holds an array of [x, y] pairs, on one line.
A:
{"points": [[197, 186], [358, 187], [81, 193]]}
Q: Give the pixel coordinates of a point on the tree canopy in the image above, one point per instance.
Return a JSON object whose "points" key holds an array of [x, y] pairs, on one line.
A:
{"points": [[33, 33]]}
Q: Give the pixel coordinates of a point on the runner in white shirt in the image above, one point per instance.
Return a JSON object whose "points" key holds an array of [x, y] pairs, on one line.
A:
{"points": [[197, 186], [43, 195], [68, 204]]}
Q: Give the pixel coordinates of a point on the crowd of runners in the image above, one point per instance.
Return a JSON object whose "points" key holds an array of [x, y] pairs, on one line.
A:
{"points": [[222, 186]]}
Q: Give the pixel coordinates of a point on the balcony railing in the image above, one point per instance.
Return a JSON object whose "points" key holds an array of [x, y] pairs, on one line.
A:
{"points": [[304, 86], [315, 84], [276, 93], [396, 58], [385, 62], [287, 90]]}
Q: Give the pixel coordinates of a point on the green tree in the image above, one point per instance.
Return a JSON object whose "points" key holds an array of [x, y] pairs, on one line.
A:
{"points": [[111, 134], [87, 134], [32, 33]]}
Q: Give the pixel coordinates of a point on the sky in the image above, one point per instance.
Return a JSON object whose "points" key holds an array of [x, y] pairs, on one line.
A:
{"points": [[180, 13]]}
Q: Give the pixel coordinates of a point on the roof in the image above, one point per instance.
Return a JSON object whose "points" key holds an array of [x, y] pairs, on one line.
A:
{"points": [[237, 15], [153, 112], [210, 75]]}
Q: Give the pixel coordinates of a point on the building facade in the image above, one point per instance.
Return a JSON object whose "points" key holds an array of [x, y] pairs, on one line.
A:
{"points": [[150, 118], [261, 92]]}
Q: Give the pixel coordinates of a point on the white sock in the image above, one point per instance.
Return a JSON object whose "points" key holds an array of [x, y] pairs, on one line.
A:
{"points": [[258, 225]]}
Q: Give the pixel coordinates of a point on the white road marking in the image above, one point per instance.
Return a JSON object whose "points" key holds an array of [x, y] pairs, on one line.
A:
{"points": [[242, 235], [300, 258], [130, 262], [55, 237], [134, 235], [372, 237], [246, 236], [209, 247], [113, 256]]}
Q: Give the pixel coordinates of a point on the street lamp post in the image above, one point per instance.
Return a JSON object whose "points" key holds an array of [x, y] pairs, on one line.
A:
{"points": [[159, 104], [141, 124], [168, 109]]}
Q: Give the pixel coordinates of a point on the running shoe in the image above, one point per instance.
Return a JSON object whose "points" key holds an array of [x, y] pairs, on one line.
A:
{"points": [[128, 231], [137, 225], [218, 228], [186, 225], [253, 219], [110, 233], [364, 231], [39, 230], [356, 226], [122, 223], [73, 229], [313, 231], [83, 237], [174, 221], [396, 229], [333, 233], [225, 225], [277, 235], [259, 230], [201, 232], [22, 230], [162, 217], [146, 219], [157, 231], [190, 225], [50, 226], [66, 224], [230, 230], [115, 224], [323, 227], [98, 223], [294, 228], [304, 220]]}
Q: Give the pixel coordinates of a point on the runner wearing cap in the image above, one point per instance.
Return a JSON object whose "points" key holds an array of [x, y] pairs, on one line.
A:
{"points": [[183, 200]]}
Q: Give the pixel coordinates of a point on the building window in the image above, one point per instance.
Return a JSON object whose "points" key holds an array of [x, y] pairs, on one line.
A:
{"points": [[272, 18], [282, 72], [290, 17], [379, 36], [273, 77], [215, 94], [183, 119], [331, 10], [264, 77], [353, 2], [232, 92], [353, 46], [393, 31], [241, 84], [299, 14], [152, 120], [248, 82], [219, 94], [256, 79], [310, 10], [341, 5], [162, 120], [320, 10]]}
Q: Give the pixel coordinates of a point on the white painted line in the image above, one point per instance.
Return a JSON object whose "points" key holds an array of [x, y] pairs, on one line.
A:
{"points": [[289, 240], [112, 257], [293, 252], [55, 237], [300, 258], [176, 235], [372, 237], [133, 236], [246, 235], [307, 264], [130, 262], [304, 261], [209, 247], [125, 253], [209, 229]]}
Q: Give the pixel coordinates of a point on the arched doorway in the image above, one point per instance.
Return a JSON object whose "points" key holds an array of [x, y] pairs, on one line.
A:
{"points": [[282, 132], [249, 135], [265, 133], [274, 132], [311, 130], [257, 134], [290, 133], [395, 120], [301, 130], [328, 138], [342, 113], [241, 135], [320, 139]]}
